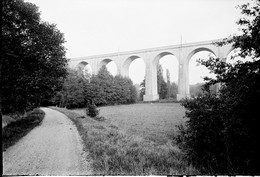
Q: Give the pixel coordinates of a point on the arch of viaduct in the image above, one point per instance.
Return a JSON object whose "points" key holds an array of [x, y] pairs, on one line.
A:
{"points": [[151, 58]]}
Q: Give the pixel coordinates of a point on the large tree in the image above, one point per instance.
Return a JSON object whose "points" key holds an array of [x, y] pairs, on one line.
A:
{"points": [[33, 62], [222, 133]]}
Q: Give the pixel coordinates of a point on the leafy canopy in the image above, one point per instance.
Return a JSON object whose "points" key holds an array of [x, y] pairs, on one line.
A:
{"points": [[33, 62]]}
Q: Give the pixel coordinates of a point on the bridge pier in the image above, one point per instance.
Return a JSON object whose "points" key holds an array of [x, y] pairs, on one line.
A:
{"points": [[183, 80], [151, 92]]}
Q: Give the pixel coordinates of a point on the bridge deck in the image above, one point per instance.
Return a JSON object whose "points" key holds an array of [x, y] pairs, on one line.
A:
{"points": [[185, 45]]}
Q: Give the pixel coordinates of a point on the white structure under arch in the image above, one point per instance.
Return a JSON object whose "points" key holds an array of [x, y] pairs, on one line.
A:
{"points": [[151, 57]]}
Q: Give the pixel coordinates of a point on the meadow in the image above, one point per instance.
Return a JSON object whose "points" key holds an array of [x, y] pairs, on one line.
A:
{"points": [[156, 121], [135, 139]]}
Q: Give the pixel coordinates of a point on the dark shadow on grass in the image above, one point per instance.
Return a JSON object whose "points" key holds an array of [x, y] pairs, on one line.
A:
{"points": [[15, 130]]}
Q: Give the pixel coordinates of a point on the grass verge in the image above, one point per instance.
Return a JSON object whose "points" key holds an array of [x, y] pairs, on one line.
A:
{"points": [[114, 153], [15, 130], [6, 119]]}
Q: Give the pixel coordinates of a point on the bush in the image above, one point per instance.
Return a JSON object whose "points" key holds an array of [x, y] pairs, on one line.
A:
{"points": [[221, 134], [202, 138], [92, 110]]}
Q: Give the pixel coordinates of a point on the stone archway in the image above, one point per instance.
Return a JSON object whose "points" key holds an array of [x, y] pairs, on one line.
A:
{"points": [[84, 68], [202, 70], [126, 65], [151, 91], [107, 61]]}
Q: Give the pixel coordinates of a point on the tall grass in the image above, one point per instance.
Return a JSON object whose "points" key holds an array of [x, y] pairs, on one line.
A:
{"points": [[6, 119], [15, 130], [114, 153]]}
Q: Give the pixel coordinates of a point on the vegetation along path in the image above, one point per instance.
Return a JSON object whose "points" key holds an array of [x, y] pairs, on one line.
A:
{"points": [[53, 148]]}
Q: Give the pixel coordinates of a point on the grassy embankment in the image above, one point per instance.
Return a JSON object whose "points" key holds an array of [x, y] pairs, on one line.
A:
{"points": [[19, 127], [133, 140]]}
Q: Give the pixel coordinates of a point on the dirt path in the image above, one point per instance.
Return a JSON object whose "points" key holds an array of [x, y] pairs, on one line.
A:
{"points": [[53, 148]]}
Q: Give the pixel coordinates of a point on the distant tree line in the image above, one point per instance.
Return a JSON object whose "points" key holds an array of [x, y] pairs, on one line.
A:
{"points": [[197, 89], [101, 89]]}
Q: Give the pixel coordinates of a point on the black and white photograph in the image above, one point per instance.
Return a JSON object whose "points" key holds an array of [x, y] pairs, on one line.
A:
{"points": [[130, 87]]}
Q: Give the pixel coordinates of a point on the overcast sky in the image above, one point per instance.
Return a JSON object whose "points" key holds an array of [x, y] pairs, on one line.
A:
{"points": [[93, 27]]}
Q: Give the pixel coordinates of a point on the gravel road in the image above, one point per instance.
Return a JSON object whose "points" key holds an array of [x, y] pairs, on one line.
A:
{"points": [[53, 148]]}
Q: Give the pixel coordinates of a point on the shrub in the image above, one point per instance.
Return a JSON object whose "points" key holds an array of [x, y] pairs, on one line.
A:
{"points": [[201, 139], [221, 134], [92, 110]]}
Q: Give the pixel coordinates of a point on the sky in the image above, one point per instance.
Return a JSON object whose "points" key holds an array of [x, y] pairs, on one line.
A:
{"points": [[94, 27]]}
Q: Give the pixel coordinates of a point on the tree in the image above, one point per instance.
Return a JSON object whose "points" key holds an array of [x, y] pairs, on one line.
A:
{"points": [[221, 134], [125, 91], [168, 83], [174, 90], [100, 88], [104, 89], [142, 89], [161, 84], [72, 93], [33, 63]]}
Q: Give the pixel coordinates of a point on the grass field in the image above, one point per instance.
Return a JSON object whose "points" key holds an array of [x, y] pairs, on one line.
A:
{"points": [[155, 121], [134, 139]]}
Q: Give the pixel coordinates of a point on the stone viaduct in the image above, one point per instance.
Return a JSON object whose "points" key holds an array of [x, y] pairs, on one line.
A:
{"points": [[151, 57]]}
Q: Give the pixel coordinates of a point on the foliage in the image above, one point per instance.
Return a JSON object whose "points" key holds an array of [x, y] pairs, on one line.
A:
{"points": [[15, 130], [33, 63], [100, 89], [168, 81], [104, 89], [221, 135], [161, 84], [6, 119], [197, 89], [92, 110], [173, 90], [72, 93], [142, 89]]}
